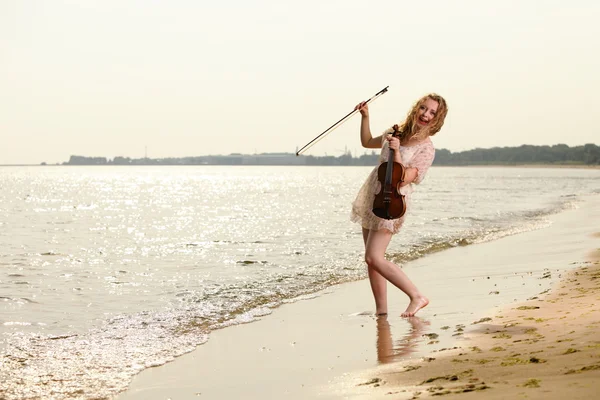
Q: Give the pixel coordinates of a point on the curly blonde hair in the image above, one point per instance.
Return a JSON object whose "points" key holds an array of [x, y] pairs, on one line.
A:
{"points": [[409, 128]]}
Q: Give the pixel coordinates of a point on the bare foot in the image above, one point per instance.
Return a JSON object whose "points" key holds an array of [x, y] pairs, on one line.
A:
{"points": [[414, 306]]}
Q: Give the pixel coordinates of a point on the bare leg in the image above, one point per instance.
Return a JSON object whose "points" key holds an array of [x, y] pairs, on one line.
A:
{"points": [[375, 247], [378, 284]]}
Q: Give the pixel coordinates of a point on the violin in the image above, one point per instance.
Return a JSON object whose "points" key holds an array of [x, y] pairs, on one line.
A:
{"points": [[389, 203]]}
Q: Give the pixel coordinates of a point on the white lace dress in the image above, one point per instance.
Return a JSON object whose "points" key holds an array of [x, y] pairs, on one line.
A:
{"points": [[419, 156]]}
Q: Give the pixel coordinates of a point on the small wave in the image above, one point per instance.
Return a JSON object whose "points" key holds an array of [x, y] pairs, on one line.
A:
{"points": [[247, 262], [104, 359], [17, 323], [466, 218]]}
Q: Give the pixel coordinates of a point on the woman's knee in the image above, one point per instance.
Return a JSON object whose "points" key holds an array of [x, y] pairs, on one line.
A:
{"points": [[373, 261]]}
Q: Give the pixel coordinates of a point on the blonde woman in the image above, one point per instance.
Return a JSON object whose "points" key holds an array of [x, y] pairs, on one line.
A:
{"points": [[415, 151]]}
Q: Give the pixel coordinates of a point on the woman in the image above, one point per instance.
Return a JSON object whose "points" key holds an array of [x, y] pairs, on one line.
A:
{"points": [[415, 151]]}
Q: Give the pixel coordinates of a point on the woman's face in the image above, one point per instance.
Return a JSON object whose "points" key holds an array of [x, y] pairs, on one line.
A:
{"points": [[426, 112]]}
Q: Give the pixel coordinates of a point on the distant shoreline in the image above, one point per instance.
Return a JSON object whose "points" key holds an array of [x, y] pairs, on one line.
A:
{"points": [[529, 156]]}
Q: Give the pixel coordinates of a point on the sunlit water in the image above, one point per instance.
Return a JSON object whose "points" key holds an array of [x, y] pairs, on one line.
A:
{"points": [[105, 271]]}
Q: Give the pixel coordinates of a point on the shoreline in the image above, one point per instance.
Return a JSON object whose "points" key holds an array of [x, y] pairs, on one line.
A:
{"points": [[325, 347]]}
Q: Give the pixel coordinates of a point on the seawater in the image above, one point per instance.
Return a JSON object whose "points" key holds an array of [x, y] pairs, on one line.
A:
{"points": [[105, 271]]}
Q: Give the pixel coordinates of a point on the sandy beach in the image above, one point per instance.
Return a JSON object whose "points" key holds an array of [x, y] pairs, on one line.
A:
{"points": [[480, 333], [546, 348]]}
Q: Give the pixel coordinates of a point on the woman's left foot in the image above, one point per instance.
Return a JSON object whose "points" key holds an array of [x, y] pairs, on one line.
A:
{"points": [[414, 306]]}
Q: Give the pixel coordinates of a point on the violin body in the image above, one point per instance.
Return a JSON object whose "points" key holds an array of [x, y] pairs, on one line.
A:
{"points": [[388, 202]]}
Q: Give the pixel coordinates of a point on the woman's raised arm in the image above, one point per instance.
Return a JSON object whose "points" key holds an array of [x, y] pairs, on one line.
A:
{"points": [[366, 138]]}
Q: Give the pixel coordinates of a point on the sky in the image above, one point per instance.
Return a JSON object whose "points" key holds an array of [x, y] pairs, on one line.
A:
{"points": [[193, 77]]}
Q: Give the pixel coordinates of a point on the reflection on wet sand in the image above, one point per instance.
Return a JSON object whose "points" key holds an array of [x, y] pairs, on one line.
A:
{"points": [[387, 349]]}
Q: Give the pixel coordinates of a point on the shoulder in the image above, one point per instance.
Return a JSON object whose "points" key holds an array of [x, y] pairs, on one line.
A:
{"points": [[428, 143], [426, 150], [425, 146]]}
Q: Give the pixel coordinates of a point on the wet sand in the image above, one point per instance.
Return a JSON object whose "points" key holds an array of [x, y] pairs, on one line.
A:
{"points": [[546, 348], [332, 347]]}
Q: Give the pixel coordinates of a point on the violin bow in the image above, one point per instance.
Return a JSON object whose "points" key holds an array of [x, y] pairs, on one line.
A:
{"points": [[332, 127]]}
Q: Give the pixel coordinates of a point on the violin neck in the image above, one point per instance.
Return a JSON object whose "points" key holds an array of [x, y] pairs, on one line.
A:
{"points": [[390, 168]]}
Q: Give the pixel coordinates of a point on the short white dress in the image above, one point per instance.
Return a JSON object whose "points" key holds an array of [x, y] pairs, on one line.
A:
{"points": [[419, 156]]}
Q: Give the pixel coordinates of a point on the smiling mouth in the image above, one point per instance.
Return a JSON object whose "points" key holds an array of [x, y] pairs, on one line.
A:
{"points": [[421, 122]]}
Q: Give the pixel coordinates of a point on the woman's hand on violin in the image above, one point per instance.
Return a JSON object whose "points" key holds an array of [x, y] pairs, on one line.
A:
{"points": [[394, 143], [410, 175], [363, 108]]}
